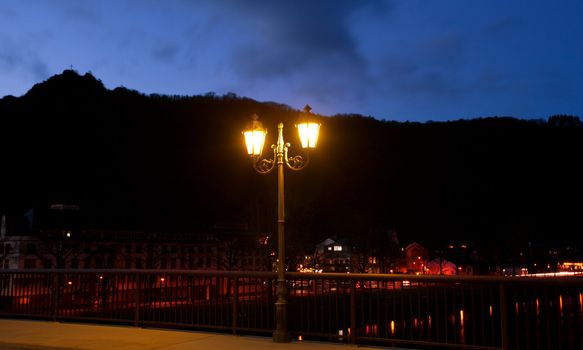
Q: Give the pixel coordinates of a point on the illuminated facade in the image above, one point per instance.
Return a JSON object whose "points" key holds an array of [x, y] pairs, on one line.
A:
{"points": [[333, 256], [416, 258]]}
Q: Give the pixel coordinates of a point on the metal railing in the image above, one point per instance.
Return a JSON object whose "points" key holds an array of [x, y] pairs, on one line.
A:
{"points": [[416, 311]]}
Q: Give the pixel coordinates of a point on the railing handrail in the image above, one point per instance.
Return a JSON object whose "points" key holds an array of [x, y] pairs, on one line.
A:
{"points": [[450, 279], [209, 273], [438, 278]]}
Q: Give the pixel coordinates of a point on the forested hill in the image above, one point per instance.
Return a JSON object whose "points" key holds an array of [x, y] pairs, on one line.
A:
{"points": [[134, 161]]}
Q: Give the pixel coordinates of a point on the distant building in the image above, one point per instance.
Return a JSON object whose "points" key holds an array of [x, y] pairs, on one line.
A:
{"points": [[416, 258], [333, 256], [382, 256], [50, 244]]}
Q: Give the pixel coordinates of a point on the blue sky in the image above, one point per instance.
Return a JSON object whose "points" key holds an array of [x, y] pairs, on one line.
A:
{"points": [[397, 60]]}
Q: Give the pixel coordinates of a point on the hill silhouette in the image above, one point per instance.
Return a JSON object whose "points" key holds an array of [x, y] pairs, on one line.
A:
{"points": [[136, 161]]}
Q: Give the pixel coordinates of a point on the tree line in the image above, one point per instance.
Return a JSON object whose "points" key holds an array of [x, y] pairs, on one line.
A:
{"points": [[157, 162]]}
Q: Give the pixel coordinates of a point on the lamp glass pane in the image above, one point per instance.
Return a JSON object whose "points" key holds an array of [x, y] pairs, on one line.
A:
{"points": [[254, 140], [309, 134]]}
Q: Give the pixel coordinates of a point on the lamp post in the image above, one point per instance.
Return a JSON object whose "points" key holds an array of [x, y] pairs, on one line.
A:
{"points": [[254, 139]]}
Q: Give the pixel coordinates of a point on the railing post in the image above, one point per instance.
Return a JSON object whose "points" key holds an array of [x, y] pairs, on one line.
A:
{"points": [[353, 312], [137, 286], [56, 284], [235, 302], [503, 318]]}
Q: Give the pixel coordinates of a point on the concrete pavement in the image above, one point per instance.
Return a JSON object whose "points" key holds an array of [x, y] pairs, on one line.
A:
{"points": [[45, 335]]}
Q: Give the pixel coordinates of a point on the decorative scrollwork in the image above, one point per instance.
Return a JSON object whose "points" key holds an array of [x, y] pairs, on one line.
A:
{"points": [[297, 162], [264, 166]]}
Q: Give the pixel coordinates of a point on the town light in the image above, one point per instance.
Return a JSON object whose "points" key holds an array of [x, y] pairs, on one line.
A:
{"points": [[254, 139]]}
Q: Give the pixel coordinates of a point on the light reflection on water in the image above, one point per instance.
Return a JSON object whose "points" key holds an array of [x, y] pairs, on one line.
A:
{"points": [[478, 322]]}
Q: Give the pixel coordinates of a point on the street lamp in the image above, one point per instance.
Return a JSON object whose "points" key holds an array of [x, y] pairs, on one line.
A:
{"points": [[254, 139]]}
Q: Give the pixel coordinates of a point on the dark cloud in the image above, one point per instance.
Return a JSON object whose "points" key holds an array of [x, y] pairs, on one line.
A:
{"points": [[8, 59], [430, 67], [502, 26], [82, 11], [287, 37], [16, 57], [165, 53], [12, 54], [39, 69], [305, 49], [7, 12]]}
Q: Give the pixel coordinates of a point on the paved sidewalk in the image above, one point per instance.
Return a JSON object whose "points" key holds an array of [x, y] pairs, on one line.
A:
{"points": [[44, 335]]}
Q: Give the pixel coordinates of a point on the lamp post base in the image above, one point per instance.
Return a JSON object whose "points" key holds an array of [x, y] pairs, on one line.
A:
{"points": [[281, 333], [281, 337]]}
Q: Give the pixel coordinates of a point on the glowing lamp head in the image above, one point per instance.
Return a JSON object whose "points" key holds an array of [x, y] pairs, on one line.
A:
{"points": [[308, 129], [255, 137]]}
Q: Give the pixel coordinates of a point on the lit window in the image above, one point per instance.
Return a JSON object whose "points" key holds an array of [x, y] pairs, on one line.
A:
{"points": [[337, 248]]}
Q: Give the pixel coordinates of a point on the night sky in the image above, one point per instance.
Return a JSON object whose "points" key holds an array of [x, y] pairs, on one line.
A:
{"points": [[397, 60]]}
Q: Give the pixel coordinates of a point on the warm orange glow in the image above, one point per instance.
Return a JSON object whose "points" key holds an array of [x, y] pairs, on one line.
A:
{"points": [[429, 321], [255, 137], [462, 317], [300, 338], [69, 282], [581, 301], [537, 307], [516, 308], [561, 303], [100, 277], [567, 265], [254, 140], [490, 310], [348, 330], [23, 301], [392, 327], [462, 335], [309, 134], [162, 279]]}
